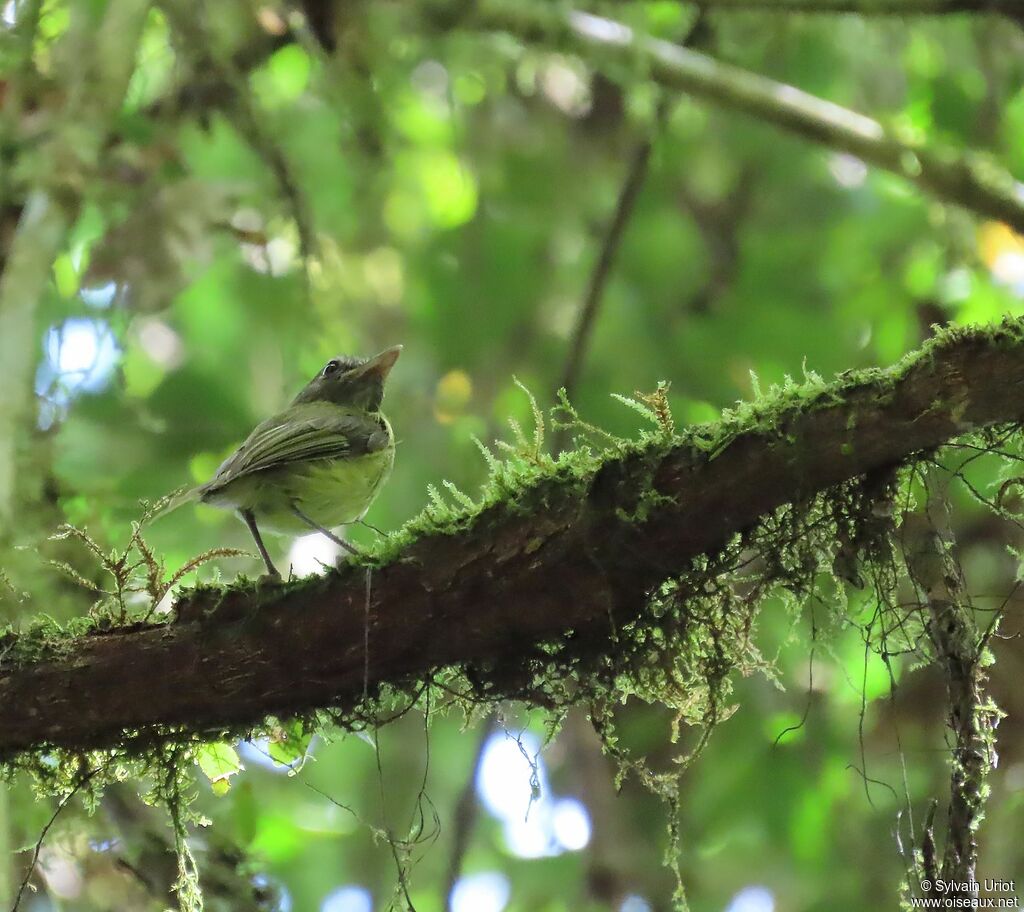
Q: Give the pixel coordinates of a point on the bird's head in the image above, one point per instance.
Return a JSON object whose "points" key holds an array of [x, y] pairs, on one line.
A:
{"points": [[355, 382]]}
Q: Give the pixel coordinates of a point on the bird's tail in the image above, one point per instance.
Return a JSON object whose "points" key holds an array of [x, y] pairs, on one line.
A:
{"points": [[169, 503]]}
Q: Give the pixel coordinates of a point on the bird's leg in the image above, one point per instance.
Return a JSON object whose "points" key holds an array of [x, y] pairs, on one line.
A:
{"points": [[348, 546], [250, 521]]}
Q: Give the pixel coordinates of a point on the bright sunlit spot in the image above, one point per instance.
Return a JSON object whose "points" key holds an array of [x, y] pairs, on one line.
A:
{"points": [[487, 891], [431, 78], [100, 297], [257, 753], [348, 899], [9, 15], [80, 356], [600, 29], [1002, 250], [504, 785], [275, 257], [634, 903], [505, 772], [1008, 268], [534, 823], [284, 898], [161, 343], [752, 899], [309, 554], [848, 170], [82, 351], [566, 88], [571, 824], [62, 874]]}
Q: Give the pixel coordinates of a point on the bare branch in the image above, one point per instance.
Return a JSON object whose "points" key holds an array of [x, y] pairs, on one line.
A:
{"points": [[636, 172]]}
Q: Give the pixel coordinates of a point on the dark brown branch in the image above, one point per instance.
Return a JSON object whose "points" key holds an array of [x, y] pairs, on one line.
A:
{"points": [[720, 223], [635, 174], [565, 554]]}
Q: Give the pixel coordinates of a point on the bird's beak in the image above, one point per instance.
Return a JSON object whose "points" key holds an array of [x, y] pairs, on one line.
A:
{"points": [[380, 364]]}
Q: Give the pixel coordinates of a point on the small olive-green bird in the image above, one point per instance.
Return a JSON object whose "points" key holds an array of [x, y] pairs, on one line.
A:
{"points": [[318, 464]]}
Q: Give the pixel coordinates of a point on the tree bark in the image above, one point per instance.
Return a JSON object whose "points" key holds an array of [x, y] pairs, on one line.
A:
{"points": [[566, 559]]}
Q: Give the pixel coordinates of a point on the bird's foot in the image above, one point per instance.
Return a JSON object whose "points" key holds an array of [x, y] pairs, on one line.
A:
{"points": [[270, 578]]}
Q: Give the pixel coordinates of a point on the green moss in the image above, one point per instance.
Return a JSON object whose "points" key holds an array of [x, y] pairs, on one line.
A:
{"points": [[44, 640]]}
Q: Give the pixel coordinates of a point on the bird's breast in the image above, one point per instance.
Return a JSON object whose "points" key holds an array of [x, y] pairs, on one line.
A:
{"points": [[331, 492]]}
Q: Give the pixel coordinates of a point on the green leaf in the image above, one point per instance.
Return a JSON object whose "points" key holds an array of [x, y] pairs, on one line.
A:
{"points": [[219, 761], [284, 78], [288, 745], [65, 276]]}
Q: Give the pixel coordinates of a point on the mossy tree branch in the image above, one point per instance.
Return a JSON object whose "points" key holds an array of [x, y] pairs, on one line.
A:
{"points": [[965, 178], [570, 560]]}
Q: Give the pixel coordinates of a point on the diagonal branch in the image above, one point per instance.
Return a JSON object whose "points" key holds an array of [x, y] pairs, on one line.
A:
{"points": [[1010, 8], [968, 179], [571, 558]]}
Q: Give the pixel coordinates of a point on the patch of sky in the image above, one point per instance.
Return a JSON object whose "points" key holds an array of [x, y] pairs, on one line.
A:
{"points": [[349, 898], [99, 296], [257, 753], [79, 355], [512, 784], [484, 891], [752, 899]]}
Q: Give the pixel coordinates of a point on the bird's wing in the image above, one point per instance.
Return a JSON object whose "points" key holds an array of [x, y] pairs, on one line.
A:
{"points": [[298, 438]]}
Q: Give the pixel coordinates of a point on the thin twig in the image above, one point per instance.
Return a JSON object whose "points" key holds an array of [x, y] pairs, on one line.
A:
{"points": [[46, 829], [635, 174]]}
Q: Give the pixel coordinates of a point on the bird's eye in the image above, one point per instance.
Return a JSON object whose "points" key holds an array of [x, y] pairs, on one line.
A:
{"points": [[332, 367]]}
